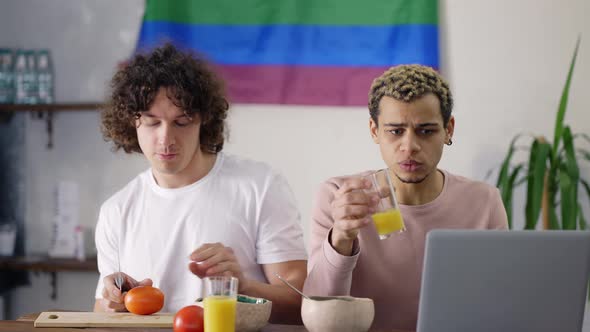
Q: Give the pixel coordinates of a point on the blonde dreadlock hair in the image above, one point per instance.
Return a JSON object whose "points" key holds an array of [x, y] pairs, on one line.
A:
{"points": [[407, 83]]}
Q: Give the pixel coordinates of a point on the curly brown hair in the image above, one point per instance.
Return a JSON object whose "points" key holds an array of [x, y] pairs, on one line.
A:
{"points": [[407, 83], [192, 84]]}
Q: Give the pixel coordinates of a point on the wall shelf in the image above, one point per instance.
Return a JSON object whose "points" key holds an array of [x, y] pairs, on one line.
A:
{"points": [[43, 263], [46, 111], [46, 264], [93, 106]]}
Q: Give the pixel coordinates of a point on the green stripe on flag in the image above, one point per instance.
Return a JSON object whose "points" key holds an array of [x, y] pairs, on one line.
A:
{"points": [[312, 12]]}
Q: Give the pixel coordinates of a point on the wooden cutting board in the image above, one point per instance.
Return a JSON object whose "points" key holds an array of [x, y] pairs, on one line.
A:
{"points": [[100, 319]]}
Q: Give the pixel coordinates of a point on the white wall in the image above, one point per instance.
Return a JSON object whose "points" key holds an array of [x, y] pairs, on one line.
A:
{"points": [[506, 61]]}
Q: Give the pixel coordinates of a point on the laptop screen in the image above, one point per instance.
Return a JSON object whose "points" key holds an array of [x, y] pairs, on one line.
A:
{"points": [[485, 280]]}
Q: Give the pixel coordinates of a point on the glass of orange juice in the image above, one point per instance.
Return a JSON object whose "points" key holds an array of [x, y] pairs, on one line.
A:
{"points": [[388, 219], [220, 298]]}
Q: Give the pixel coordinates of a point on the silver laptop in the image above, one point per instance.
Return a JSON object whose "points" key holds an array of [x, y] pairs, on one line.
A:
{"points": [[504, 281]]}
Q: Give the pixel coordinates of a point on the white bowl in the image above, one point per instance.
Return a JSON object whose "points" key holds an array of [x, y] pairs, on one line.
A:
{"points": [[337, 313]]}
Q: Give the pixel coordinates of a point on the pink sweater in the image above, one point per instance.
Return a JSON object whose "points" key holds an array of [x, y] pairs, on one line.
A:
{"points": [[390, 271]]}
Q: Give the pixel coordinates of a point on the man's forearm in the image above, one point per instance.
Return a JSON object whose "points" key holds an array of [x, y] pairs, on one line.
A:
{"points": [[286, 304]]}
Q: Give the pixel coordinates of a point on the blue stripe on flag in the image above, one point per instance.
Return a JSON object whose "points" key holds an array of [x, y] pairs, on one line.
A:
{"points": [[300, 44]]}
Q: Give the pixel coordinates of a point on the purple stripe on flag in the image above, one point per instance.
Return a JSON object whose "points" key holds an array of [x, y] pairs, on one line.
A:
{"points": [[299, 85]]}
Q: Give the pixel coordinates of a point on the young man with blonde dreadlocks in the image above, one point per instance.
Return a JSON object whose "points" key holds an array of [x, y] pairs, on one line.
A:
{"points": [[410, 119]]}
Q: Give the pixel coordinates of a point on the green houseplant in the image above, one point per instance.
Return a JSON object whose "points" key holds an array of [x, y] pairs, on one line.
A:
{"points": [[551, 174]]}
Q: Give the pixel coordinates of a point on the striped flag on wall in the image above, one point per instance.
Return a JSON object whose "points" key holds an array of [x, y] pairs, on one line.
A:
{"points": [[308, 52]]}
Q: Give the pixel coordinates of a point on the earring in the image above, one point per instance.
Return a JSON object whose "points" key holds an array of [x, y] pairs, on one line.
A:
{"points": [[450, 142]]}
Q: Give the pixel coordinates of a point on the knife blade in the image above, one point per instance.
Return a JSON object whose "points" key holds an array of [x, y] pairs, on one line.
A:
{"points": [[118, 277]]}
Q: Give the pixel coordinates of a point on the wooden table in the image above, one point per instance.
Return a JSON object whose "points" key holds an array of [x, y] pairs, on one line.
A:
{"points": [[25, 324]]}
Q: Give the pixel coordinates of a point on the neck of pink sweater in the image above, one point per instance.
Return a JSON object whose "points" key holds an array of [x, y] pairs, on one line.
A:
{"points": [[420, 193]]}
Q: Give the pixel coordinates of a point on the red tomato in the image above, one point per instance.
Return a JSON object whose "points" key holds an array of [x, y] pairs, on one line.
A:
{"points": [[189, 319], [144, 300]]}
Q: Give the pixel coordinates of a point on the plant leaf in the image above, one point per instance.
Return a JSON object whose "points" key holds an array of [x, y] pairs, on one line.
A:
{"points": [[582, 221], [563, 101], [570, 155], [569, 191], [553, 221], [586, 187], [503, 183], [536, 178], [569, 203], [520, 181], [504, 169], [585, 154], [507, 191]]}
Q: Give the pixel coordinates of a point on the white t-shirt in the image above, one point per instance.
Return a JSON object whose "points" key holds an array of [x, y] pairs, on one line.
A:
{"points": [[243, 204]]}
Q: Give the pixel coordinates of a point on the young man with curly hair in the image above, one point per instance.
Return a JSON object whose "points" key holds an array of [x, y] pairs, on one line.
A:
{"points": [[410, 119], [196, 211]]}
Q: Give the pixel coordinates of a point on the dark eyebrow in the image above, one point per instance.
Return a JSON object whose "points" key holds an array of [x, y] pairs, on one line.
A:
{"points": [[404, 125], [427, 124], [153, 116], [395, 124]]}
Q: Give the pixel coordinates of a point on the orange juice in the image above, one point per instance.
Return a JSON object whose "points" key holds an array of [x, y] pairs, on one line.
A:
{"points": [[388, 222], [220, 313]]}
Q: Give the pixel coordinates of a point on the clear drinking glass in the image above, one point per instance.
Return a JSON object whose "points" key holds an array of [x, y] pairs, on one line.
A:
{"points": [[220, 298], [388, 218]]}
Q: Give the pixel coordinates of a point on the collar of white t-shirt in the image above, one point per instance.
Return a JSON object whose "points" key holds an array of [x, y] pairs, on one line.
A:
{"points": [[172, 192]]}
